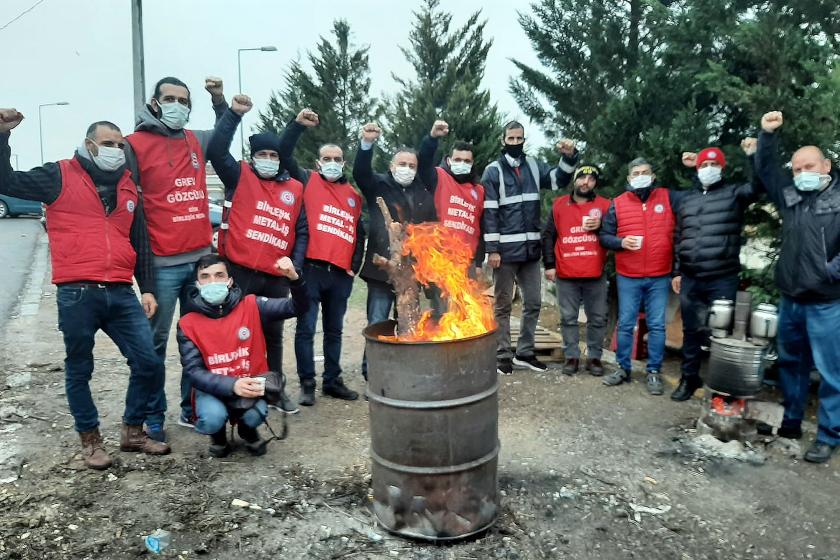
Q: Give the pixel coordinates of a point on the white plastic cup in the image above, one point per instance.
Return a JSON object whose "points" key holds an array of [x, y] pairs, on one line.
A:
{"points": [[261, 382], [640, 238]]}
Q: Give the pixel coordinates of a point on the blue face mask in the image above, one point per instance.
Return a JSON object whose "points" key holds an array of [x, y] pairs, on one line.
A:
{"points": [[811, 181], [174, 115], [266, 168], [214, 293]]}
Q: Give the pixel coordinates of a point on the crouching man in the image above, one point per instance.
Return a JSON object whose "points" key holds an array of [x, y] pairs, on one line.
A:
{"points": [[223, 350]]}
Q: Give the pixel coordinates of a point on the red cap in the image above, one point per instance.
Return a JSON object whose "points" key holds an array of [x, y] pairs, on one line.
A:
{"points": [[713, 154]]}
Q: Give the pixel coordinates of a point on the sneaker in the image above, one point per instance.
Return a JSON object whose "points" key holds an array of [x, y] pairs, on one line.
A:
{"points": [[504, 366], [286, 405], [529, 362], [819, 452], [654, 383], [617, 377], [337, 389], [185, 421], [595, 367], [571, 366], [156, 432]]}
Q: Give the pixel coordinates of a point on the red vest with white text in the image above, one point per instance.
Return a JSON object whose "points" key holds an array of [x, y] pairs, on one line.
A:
{"points": [[233, 345], [85, 243], [174, 185], [459, 207], [261, 221], [333, 211], [652, 219], [578, 253]]}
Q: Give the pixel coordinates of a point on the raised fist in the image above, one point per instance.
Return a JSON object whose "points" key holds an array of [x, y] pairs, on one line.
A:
{"points": [[689, 159], [241, 104], [286, 268], [771, 121], [9, 118], [439, 129], [371, 132], [749, 145], [566, 147], [214, 86], [307, 118]]}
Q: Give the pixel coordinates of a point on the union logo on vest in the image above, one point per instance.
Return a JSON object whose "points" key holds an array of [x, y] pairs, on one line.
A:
{"points": [[194, 160], [287, 198], [351, 202], [129, 205], [658, 208], [244, 333]]}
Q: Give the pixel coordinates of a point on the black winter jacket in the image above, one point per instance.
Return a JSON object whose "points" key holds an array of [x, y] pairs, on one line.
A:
{"points": [[413, 204], [707, 239], [271, 309], [810, 228]]}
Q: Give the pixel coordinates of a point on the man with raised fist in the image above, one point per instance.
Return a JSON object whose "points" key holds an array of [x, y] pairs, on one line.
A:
{"points": [[808, 276], [167, 161], [98, 243], [263, 220]]}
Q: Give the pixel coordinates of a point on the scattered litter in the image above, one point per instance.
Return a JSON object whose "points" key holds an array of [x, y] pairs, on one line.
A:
{"points": [[157, 542]]}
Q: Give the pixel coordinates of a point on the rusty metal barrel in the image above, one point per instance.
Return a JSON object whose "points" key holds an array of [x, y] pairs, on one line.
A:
{"points": [[434, 418]]}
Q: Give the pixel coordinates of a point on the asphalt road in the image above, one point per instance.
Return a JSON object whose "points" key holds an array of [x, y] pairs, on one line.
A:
{"points": [[18, 237]]}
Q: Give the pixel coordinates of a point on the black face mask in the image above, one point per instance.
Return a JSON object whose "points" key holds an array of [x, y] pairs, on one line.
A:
{"points": [[587, 195], [513, 150]]}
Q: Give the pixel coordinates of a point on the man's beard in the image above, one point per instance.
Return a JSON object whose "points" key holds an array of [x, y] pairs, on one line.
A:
{"points": [[589, 195]]}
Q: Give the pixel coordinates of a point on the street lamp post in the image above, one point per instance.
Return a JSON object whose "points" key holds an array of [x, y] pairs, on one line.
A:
{"points": [[41, 128], [239, 69]]}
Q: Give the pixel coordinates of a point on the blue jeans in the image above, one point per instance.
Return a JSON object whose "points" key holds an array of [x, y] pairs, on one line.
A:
{"points": [[82, 311], [380, 299], [172, 285], [696, 296], [632, 294], [329, 287], [807, 335], [212, 414]]}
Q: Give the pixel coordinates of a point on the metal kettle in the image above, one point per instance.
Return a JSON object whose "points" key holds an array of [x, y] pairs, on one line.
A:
{"points": [[720, 317], [764, 321]]}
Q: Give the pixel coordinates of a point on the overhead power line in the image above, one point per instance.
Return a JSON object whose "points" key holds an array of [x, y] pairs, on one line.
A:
{"points": [[23, 13]]}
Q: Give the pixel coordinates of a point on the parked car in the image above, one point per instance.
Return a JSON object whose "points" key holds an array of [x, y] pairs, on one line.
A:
{"points": [[11, 206]]}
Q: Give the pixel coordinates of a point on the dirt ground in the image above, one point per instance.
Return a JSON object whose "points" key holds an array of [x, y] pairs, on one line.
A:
{"points": [[585, 471]]}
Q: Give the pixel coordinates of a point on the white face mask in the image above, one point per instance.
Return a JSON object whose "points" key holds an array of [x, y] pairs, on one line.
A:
{"points": [[404, 175], [108, 158], [709, 175], [641, 182], [266, 168], [331, 170], [174, 115], [460, 167]]}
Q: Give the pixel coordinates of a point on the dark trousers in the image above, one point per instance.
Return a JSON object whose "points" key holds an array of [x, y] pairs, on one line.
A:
{"points": [[84, 310], [328, 287], [696, 297], [380, 300], [592, 292], [261, 284]]}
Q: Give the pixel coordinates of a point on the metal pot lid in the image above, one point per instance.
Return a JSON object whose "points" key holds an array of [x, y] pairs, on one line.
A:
{"points": [[767, 307], [726, 302]]}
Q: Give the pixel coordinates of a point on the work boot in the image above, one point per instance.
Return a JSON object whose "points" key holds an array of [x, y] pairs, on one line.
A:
{"points": [[307, 392], [255, 445], [133, 438], [688, 385], [93, 452], [819, 452], [654, 383], [337, 389], [571, 366], [617, 377], [219, 446], [595, 367]]}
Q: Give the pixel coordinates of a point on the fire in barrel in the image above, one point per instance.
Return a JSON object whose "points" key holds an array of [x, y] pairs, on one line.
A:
{"points": [[432, 390]]}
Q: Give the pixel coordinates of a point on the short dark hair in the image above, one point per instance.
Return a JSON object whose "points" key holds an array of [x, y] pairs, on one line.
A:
{"points": [[91, 131], [404, 150], [512, 125], [209, 260], [172, 81], [462, 146]]}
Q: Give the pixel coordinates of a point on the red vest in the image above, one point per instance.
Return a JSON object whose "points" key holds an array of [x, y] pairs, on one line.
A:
{"points": [[333, 211], [85, 243], [232, 345], [577, 252], [653, 219], [459, 207], [261, 221], [174, 187]]}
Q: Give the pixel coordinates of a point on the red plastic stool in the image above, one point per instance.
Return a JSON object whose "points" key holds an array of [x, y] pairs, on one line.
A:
{"points": [[640, 350]]}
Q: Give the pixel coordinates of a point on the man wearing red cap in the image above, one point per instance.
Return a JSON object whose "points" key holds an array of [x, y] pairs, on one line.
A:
{"points": [[707, 244]]}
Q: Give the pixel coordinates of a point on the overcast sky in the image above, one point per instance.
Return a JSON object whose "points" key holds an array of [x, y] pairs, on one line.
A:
{"points": [[79, 51]]}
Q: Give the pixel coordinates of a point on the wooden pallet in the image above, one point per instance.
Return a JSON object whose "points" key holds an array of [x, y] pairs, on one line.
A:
{"points": [[547, 344]]}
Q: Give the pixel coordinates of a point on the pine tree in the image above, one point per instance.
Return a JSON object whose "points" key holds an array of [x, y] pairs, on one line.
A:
{"points": [[449, 66], [337, 88]]}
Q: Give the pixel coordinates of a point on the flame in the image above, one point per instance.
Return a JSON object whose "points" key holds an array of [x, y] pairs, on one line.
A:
{"points": [[441, 257]]}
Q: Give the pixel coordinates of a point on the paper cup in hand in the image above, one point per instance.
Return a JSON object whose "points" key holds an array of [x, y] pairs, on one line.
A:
{"points": [[261, 382], [639, 239], [584, 222]]}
